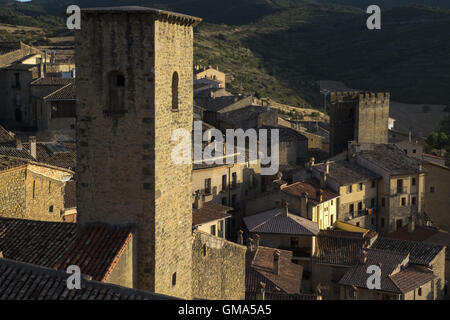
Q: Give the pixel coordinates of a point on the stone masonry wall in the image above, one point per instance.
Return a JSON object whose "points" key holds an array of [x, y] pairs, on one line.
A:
{"points": [[218, 268], [12, 193]]}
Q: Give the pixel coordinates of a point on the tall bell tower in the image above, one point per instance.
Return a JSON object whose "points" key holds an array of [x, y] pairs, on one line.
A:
{"points": [[134, 88]]}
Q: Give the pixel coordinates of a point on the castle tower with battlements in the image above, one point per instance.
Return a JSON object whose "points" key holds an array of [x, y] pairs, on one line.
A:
{"points": [[134, 88], [360, 117]]}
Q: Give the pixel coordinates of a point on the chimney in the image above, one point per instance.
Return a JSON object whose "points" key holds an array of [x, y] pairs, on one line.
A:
{"points": [[260, 295], [241, 237], [276, 262], [327, 167], [304, 205], [250, 244], [198, 203], [285, 209], [257, 238], [19, 145], [32, 141], [363, 256], [323, 179], [411, 225]]}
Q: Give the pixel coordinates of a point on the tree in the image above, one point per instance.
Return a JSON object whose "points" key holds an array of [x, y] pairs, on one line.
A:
{"points": [[445, 125], [432, 139]]}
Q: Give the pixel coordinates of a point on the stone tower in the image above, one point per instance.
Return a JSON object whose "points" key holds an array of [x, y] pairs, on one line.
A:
{"points": [[134, 87], [359, 117]]}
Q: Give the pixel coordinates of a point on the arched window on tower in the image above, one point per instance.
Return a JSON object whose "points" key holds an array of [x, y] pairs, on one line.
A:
{"points": [[116, 93], [175, 83]]}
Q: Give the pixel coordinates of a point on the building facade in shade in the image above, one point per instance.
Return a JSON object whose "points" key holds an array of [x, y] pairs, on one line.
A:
{"points": [[359, 117], [134, 88]]}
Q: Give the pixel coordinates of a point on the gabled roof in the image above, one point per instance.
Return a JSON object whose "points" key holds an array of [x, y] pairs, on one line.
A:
{"points": [[311, 189], [345, 172], [341, 247], [65, 93], [94, 247], [23, 281], [420, 253], [9, 163], [209, 212], [260, 268], [275, 221], [387, 261], [6, 136], [396, 275]]}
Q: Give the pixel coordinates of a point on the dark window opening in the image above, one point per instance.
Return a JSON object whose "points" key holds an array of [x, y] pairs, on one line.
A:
{"points": [[213, 230], [419, 292], [432, 189], [175, 83], [403, 202], [120, 80], [399, 224], [174, 279], [204, 250], [224, 182], [116, 94], [413, 182], [207, 186], [50, 210], [383, 202], [382, 222], [413, 201]]}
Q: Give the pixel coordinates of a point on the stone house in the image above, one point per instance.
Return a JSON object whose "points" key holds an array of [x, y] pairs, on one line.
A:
{"points": [[422, 255], [357, 189], [212, 218], [399, 279], [437, 194], [309, 200], [31, 190], [335, 253], [401, 191], [202, 72]]}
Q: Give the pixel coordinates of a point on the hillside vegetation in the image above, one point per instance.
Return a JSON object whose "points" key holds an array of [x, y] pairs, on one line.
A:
{"points": [[278, 48]]}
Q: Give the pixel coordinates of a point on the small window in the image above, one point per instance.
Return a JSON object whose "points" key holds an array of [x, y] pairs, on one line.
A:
{"points": [[204, 250], [224, 182], [120, 80], [34, 189], [213, 230], [432, 189], [350, 189], [50, 210], [414, 151], [207, 186], [374, 183], [413, 201], [403, 202], [331, 202], [382, 222], [234, 179], [360, 187], [359, 206], [383, 202], [174, 279], [352, 208], [224, 201], [413, 182], [175, 83], [419, 292], [357, 224], [294, 242], [399, 224]]}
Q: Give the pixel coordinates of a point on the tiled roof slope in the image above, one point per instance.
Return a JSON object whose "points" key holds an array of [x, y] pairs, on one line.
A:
{"points": [[6, 136], [260, 268], [311, 190], [22, 281], [65, 93], [94, 247], [9, 163], [420, 253], [209, 211], [387, 261], [275, 221], [341, 247], [345, 172], [70, 194], [411, 278]]}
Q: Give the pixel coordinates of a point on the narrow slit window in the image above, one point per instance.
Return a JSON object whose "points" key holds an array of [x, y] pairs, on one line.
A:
{"points": [[175, 83]]}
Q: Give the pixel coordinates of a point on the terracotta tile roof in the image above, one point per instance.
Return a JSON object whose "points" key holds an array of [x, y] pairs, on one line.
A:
{"points": [[6, 136], [312, 191], [423, 234], [274, 221], [70, 194], [23, 153], [65, 93], [412, 278], [259, 268], [387, 261], [9, 163], [345, 172], [52, 81], [341, 247], [275, 296], [22, 281], [390, 158], [94, 247], [420, 253], [209, 211], [60, 159]]}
